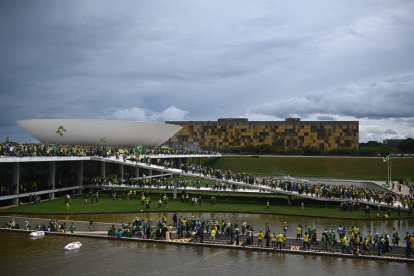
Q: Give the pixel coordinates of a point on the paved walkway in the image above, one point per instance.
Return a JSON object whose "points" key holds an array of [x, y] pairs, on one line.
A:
{"points": [[252, 187]]}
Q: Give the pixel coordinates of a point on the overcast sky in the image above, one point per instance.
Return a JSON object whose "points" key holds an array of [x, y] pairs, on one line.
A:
{"points": [[201, 60]]}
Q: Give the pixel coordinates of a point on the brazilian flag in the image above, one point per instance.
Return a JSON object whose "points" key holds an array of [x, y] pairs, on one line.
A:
{"points": [[138, 148], [61, 130]]}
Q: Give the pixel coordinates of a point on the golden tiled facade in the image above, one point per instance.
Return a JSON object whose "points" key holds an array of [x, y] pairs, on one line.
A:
{"points": [[283, 135]]}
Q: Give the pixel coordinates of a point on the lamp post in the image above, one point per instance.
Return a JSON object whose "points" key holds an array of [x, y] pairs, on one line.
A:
{"points": [[388, 160]]}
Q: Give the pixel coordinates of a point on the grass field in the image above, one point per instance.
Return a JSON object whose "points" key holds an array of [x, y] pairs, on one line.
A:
{"points": [[335, 167], [228, 203]]}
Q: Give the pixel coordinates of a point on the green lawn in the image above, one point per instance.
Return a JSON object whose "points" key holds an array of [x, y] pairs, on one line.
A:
{"points": [[245, 204], [335, 167]]}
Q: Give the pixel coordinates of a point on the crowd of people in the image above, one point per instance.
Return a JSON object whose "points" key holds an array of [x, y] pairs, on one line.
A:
{"points": [[319, 190], [14, 149], [53, 226], [213, 230]]}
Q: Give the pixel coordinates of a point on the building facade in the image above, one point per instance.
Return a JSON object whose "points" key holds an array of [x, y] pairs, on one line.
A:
{"points": [[291, 134]]}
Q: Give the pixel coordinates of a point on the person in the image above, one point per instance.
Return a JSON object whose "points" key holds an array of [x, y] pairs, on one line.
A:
{"points": [[274, 238], [260, 239], [200, 233], [267, 205], [231, 233], [91, 224], [72, 228], [395, 238], [280, 241], [285, 228], [237, 235], [213, 233], [175, 219], [298, 232], [344, 243], [412, 243], [267, 237], [67, 204], [306, 241], [365, 246]]}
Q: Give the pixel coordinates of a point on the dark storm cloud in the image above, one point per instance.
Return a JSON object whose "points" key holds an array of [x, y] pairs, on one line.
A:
{"points": [[394, 98], [161, 60]]}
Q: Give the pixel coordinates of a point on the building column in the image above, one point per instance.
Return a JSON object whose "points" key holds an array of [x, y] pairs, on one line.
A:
{"points": [[16, 181], [136, 172], [103, 165], [80, 173], [175, 189], [290, 200], [149, 172], [179, 163], [52, 178], [121, 171]]}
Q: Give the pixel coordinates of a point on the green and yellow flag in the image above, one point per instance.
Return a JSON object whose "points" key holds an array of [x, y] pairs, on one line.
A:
{"points": [[61, 130], [138, 148]]}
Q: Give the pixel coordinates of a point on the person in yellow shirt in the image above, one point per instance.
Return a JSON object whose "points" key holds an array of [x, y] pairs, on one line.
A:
{"points": [[260, 238], [298, 232], [344, 243], [280, 241], [213, 233], [306, 241], [365, 246]]}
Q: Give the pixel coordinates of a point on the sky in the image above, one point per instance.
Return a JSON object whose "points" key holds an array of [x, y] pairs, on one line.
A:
{"points": [[202, 60]]}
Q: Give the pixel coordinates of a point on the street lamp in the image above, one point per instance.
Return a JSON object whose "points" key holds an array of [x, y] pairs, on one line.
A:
{"points": [[387, 159]]}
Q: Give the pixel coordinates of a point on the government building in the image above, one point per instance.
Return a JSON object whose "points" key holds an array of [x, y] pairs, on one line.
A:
{"points": [[291, 134]]}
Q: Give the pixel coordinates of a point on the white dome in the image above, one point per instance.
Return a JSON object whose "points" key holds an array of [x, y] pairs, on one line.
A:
{"points": [[99, 132]]}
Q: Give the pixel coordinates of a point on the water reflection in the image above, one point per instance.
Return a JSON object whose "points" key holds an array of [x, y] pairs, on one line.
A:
{"points": [[24, 256]]}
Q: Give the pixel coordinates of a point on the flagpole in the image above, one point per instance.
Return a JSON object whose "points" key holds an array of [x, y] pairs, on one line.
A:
{"points": [[390, 170]]}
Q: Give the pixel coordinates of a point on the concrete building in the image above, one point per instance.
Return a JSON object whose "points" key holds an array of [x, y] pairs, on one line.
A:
{"points": [[50, 176], [98, 132], [290, 134], [392, 142]]}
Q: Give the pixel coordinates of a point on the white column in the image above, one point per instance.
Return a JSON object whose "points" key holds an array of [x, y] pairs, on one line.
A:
{"points": [[103, 164], [16, 180], [121, 171], [52, 177], [175, 189], [80, 173]]}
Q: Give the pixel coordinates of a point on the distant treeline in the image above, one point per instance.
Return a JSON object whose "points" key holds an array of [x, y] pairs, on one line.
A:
{"points": [[371, 148]]}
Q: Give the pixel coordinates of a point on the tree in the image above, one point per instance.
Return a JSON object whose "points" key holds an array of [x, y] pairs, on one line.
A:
{"points": [[407, 146]]}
